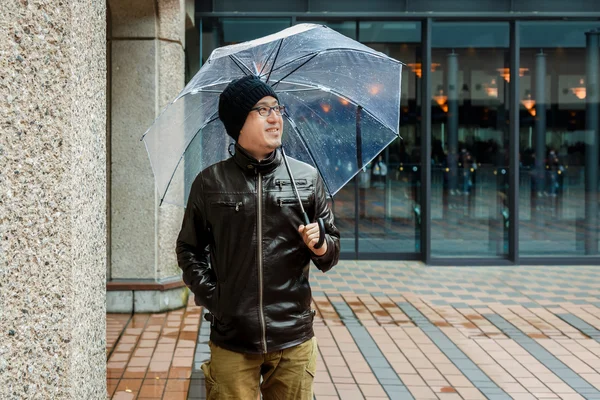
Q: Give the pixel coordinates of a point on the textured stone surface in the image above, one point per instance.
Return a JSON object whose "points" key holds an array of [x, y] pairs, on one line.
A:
{"points": [[52, 199], [156, 301], [171, 17], [146, 76], [133, 200], [171, 70], [119, 301], [133, 18], [171, 81]]}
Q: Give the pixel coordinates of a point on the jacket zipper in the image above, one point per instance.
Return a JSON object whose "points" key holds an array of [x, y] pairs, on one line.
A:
{"points": [[291, 201], [281, 183], [260, 267], [230, 204]]}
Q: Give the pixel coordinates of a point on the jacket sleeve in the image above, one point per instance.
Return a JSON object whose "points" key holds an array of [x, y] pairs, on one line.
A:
{"points": [[322, 210], [193, 250]]}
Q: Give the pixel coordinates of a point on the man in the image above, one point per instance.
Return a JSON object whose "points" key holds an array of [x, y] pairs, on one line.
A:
{"points": [[242, 212]]}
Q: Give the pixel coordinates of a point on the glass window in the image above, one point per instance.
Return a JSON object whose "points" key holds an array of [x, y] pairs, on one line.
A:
{"points": [[260, 5], [456, 35], [558, 202], [469, 127], [236, 30], [390, 32], [347, 28], [389, 187], [356, 5], [343, 205], [218, 32]]}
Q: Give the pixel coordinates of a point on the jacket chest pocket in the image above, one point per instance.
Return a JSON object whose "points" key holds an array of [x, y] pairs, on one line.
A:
{"points": [[293, 201], [287, 203], [286, 184], [227, 212], [230, 217], [283, 199], [228, 205]]}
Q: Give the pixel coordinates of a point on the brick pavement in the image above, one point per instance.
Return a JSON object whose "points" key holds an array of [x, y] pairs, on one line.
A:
{"points": [[400, 330]]}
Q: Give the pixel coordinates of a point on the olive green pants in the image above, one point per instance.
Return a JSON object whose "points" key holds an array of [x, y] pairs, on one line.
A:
{"points": [[286, 374]]}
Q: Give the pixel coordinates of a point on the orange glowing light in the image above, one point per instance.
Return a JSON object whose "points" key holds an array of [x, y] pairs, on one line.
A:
{"points": [[580, 91], [375, 89], [344, 101], [441, 100], [529, 104], [491, 89], [417, 68], [505, 72], [326, 107]]}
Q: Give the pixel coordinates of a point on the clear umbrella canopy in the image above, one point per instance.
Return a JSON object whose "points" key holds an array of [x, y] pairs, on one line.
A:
{"points": [[342, 107]]}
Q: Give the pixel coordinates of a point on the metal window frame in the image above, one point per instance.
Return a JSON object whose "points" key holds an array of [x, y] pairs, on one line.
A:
{"points": [[404, 16], [513, 221], [514, 258], [426, 141]]}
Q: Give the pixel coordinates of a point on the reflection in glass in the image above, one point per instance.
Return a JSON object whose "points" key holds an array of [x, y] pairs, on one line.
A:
{"points": [[559, 140], [469, 193], [389, 187]]}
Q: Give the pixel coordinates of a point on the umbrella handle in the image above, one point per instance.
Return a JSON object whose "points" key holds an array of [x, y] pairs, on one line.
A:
{"points": [[321, 233], [321, 230]]}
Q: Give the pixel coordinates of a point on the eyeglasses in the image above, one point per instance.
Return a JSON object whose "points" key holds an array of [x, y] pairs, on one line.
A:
{"points": [[266, 111]]}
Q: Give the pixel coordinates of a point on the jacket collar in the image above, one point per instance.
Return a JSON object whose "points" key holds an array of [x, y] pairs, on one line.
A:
{"points": [[250, 164]]}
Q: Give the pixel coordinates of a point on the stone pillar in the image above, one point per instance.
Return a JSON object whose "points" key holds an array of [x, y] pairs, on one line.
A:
{"points": [[592, 125], [52, 200], [452, 93], [540, 118], [147, 71], [540, 144]]}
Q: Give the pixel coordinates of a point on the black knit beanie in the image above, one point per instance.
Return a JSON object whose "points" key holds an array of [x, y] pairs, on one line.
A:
{"points": [[238, 98]]}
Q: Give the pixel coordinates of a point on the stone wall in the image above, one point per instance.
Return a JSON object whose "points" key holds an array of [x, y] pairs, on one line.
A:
{"points": [[52, 199], [147, 71]]}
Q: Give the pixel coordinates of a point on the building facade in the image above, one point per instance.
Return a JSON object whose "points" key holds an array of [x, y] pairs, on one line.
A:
{"points": [[498, 158], [498, 163]]}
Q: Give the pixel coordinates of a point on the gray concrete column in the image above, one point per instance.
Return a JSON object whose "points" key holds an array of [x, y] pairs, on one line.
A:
{"points": [[147, 71], [53, 200], [592, 146], [539, 178], [540, 117], [452, 93]]}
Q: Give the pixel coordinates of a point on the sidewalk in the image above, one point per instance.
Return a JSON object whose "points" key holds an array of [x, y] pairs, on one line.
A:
{"points": [[400, 330]]}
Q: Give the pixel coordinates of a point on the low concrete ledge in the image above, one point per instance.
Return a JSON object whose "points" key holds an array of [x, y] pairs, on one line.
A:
{"points": [[137, 285], [145, 297]]}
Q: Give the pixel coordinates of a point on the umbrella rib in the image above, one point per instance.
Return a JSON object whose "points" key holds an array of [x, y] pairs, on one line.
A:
{"points": [[187, 146], [295, 69], [310, 153], [266, 62], [240, 64], [166, 108], [274, 60], [297, 90], [340, 49], [292, 61], [333, 90], [311, 55], [336, 93], [206, 91]]}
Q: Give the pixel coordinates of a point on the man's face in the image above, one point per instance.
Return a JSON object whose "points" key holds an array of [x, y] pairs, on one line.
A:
{"points": [[261, 135]]}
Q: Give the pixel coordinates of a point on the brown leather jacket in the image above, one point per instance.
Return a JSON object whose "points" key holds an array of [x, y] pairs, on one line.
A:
{"points": [[244, 215]]}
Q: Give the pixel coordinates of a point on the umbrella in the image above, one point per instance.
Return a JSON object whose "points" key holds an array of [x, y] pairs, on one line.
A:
{"points": [[342, 103]]}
